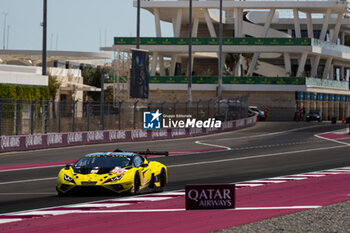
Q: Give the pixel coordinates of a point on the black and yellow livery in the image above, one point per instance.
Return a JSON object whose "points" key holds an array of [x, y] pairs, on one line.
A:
{"points": [[116, 172]]}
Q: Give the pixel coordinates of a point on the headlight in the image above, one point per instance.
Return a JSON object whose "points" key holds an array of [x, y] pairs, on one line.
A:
{"points": [[114, 178], [69, 179], [317, 116]]}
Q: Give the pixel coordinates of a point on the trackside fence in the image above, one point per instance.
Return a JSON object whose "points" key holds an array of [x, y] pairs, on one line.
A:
{"points": [[20, 117]]}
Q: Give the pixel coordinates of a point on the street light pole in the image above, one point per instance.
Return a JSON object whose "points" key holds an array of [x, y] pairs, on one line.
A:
{"points": [[138, 26], [102, 101], [44, 37], [4, 34], [189, 68], [220, 54]]}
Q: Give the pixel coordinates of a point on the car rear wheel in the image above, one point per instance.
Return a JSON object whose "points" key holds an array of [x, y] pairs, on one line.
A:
{"points": [[162, 179]]}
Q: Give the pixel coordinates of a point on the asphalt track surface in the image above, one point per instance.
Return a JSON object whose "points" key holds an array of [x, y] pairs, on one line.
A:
{"points": [[269, 149]]}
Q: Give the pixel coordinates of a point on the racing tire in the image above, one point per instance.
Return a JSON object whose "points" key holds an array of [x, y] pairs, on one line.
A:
{"points": [[152, 183], [59, 193], [163, 178], [137, 184]]}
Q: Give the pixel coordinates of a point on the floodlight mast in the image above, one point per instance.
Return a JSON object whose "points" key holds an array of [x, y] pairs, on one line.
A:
{"points": [[138, 25], [44, 37], [220, 54], [189, 64]]}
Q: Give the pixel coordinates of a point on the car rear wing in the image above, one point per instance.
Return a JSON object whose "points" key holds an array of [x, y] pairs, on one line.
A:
{"points": [[147, 152]]}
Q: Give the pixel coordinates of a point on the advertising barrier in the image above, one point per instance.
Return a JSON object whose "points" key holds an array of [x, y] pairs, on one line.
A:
{"points": [[228, 80], [54, 140], [214, 41]]}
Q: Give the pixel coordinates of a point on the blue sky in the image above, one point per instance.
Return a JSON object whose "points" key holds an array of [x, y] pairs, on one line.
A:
{"points": [[78, 24]]}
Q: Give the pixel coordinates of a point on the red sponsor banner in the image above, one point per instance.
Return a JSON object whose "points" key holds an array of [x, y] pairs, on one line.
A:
{"points": [[210, 196]]}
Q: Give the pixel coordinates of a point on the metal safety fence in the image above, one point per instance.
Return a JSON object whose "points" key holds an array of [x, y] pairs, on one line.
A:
{"points": [[21, 117]]}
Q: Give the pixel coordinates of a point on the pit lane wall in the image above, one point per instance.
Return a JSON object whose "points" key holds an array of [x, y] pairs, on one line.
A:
{"points": [[54, 140]]}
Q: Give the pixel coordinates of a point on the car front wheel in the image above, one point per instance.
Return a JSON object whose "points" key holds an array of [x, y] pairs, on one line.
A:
{"points": [[137, 184]]}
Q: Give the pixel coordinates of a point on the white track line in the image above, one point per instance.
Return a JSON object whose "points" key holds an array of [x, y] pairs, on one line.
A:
{"points": [[101, 205], [264, 181], [331, 140], [277, 208], [288, 178], [213, 145], [171, 193], [10, 220], [257, 156], [144, 199], [254, 136], [31, 168], [308, 175], [248, 185], [326, 173], [169, 210], [32, 180], [269, 134], [339, 170], [25, 212]]}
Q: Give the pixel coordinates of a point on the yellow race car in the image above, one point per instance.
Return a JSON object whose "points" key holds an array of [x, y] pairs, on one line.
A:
{"points": [[116, 172]]}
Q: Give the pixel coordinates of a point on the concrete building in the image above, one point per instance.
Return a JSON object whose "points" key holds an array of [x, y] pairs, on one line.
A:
{"points": [[285, 54]]}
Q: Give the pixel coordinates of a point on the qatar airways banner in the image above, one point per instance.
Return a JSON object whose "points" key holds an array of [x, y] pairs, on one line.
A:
{"points": [[210, 196], [54, 140]]}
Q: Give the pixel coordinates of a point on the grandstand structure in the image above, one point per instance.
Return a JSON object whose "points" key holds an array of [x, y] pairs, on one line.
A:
{"points": [[286, 55]]}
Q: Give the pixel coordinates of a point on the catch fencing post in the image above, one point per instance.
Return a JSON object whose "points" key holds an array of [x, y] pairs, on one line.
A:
{"points": [[161, 106], [218, 107], [17, 116], [59, 116], [0, 116], [120, 114], [199, 101], [186, 107], [88, 116], [46, 108], [175, 108], [108, 114], [135, 104], [73, 124], [32, 117], [209, 107]]}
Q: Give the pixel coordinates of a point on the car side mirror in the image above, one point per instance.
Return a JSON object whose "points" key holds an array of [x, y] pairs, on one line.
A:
{"points": [[144, 165], [67, 166]]}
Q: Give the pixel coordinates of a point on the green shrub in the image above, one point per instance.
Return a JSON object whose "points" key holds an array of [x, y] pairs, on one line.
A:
{"points": [[24, 92]]}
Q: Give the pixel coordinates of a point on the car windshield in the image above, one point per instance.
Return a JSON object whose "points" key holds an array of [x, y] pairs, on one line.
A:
{"points": [[102, 163], [317, 113]]}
